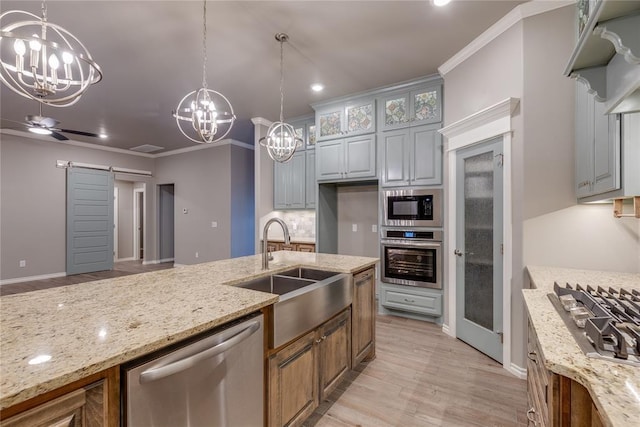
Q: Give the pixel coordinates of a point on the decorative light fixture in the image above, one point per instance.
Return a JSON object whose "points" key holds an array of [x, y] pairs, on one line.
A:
{"points": [[57, 70], [441, 2], [209, 114], [281, 141]]}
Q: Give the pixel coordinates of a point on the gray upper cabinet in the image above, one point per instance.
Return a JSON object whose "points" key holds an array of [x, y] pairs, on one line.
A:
{"points": [[346, 158], [417, 106], [290, 183], [597, 146], [346, 118], [310, 180], [411, 156]]}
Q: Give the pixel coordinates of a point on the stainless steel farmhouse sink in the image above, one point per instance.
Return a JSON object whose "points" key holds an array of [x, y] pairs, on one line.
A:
{"points": [[308, 297]]}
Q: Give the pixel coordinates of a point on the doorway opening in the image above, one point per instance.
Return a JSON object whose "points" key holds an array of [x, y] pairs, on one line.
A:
{"points": [[166, 223], [138, 221]]}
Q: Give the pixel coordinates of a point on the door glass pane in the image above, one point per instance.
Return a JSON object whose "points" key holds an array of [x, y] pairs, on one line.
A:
{"points": [[360, 118], [395, 111], [312, 135], [426, 105], [478, 235]]}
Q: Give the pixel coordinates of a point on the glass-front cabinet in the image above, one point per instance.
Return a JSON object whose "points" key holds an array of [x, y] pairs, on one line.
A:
{"points": [[411, 107], [348, 118], [305, 129]]}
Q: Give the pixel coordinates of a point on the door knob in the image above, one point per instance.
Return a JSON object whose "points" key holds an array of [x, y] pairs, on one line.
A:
{"points": [[457, 252]]}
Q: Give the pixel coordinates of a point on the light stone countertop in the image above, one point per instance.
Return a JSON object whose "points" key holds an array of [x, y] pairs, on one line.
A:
{"points": [[614, 387], [89, 327]]}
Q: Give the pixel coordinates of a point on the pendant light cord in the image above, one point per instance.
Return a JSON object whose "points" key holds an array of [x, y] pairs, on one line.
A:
{"points": [[282, 80], [204, 46]]}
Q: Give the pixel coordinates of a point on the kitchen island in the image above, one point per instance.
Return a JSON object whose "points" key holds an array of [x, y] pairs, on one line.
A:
{"points": [[95, 326], [613, 387]]}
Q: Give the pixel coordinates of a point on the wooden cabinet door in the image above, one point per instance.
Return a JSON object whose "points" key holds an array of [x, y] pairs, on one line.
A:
{"points": [[425, 155], [334, 352], [306, 247], [394, 157], [363, 316], [293, 382], [360, 157]]}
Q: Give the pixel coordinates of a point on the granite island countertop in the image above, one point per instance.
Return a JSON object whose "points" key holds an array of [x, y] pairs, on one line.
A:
{"points": [[614, 387], [89, 327]]}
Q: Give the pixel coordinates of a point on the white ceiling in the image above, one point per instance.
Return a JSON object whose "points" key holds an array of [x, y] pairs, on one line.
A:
{"points": [[151, 56]]}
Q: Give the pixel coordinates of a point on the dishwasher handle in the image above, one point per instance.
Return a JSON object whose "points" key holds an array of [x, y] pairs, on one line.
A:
{"points": [[154, 374]]}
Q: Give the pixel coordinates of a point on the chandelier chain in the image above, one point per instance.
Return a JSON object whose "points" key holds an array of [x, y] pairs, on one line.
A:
{"points": [[204, 46], [44, 11], [282, 80]]}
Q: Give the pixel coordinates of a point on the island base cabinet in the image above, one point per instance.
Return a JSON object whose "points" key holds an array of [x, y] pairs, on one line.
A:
{"points": [[364, 300], [306, 371], [293, 391], [91, 405]]}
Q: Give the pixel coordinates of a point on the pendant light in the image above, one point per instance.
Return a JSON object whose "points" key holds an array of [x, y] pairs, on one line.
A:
{"points": [[281, 141], [43, 61], [204, 115]]}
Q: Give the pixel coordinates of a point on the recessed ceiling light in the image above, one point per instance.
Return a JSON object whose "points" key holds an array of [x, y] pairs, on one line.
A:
{"points": [[441, 2], [40, 131], [317, 87]]}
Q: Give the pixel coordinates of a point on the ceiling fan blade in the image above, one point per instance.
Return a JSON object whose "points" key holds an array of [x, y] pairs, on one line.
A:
{"points": [[79, 132], [58, 136]]}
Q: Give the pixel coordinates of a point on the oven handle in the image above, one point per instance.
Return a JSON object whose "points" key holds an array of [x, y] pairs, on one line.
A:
{"points": [[411, 243]]}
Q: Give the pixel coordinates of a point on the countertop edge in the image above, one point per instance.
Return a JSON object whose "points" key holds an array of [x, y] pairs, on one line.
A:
{"points": [[604, 380]]}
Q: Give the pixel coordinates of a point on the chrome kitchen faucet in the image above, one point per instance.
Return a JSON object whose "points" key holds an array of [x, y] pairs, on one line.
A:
{"points": [[265, 251]]}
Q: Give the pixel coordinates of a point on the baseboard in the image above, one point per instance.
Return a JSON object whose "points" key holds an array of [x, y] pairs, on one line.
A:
{"points": [[30, 278], [447, 330], [517, 371], [125, 259], [162, 261]]}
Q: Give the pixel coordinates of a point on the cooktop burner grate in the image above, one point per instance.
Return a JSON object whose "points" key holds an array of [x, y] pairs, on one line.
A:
{"points": [[604, 322]]}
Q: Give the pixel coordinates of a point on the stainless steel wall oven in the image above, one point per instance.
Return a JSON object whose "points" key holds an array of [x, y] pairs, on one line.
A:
{"points": [[412, 257], [412, 207]]}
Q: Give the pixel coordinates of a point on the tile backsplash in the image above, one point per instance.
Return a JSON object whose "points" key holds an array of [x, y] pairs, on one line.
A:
{"points": [[301, 224]]}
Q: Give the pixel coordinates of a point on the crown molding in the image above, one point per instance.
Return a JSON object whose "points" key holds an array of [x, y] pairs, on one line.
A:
{"points": [[520, 12], [204, 147], [261, 121]]}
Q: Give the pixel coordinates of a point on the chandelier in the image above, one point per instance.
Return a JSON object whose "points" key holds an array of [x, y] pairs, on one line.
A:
{"points": [[281, 141], [204, 115], [43, 61]]}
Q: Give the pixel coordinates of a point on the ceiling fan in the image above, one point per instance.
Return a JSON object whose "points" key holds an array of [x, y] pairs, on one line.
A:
{"points": [[42, 125]]}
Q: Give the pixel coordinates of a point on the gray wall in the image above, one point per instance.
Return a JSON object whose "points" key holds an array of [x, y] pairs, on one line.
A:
{"points": [[242, 202], [32, 211], [125, 219], [201, 186], [358, 205]]}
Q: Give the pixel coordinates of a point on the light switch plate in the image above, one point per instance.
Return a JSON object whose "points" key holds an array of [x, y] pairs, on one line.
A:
{"points": [[354, 227], [374, 228], [214, 224]]}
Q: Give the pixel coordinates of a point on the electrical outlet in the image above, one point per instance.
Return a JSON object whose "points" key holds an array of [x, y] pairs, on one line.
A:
{"points": [[23, 263], [354, 227], [374, 228], [185, 211], [197, 254]]}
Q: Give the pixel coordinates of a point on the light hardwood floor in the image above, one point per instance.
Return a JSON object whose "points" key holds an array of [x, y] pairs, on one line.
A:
{"points": [[122, 268], [422, 377]]}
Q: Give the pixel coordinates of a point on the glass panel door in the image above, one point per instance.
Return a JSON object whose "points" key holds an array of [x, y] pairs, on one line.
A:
{"points": [[478, 247]]}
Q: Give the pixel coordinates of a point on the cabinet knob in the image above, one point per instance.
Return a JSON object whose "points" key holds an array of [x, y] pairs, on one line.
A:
{"points": [[533, 356], [324, 337], [409, 300], [318, 341]]}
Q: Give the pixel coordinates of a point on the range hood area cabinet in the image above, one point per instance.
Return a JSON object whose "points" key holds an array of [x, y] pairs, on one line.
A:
{"points": [[607, 54], [607, 151], [294, 182]]}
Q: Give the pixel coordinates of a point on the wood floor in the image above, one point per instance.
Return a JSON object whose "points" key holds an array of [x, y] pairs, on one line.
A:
{"points": [[422, 377], [122, 268], [419, 378]]}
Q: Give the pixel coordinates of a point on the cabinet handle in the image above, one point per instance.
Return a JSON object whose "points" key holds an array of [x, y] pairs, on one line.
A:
{"points": [[409, 300], [583, 184], [318, 341], [530, 414], [533, 356], [324, 337]]}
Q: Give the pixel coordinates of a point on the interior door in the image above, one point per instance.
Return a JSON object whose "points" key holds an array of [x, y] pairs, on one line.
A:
{"points": [[479, 247], [89, 220]]}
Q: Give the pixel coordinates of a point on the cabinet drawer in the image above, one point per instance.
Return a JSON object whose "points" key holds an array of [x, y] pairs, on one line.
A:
{"points": [[430, 304]]}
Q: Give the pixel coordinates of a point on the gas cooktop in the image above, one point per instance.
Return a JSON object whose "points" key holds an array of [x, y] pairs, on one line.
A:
{"points": [[604, 322]]}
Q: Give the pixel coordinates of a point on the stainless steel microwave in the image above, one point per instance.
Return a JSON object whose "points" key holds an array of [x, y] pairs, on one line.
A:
{"points": [[412, 208]]}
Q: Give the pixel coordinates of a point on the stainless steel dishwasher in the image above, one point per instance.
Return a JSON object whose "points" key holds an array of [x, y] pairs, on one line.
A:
{"points": [[211, 380]]}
